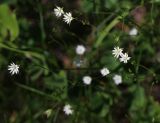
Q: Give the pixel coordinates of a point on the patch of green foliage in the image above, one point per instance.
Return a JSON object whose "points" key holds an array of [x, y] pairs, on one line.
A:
{"points": [[44, 47]]}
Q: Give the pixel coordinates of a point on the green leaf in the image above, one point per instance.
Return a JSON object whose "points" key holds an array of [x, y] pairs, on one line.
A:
{"points": [[87, 6], [139, 101], [104, 111], [8, 23], [146, 47], [96, 101], [111, 3], [57, 84], [110, 62]]}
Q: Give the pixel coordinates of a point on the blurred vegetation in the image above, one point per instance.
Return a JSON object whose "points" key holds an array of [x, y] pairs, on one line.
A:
{"points": [[44, 46]]}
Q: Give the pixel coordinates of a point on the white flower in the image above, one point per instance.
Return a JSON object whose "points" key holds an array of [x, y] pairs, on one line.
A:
{"points": [[13, 68], [87, 80], [104, 71], [117, 79], [58, 11], [68, 18], [48, 112], [133, 32], [67, 109], [124, 58], [117, 52], [80, 49]]}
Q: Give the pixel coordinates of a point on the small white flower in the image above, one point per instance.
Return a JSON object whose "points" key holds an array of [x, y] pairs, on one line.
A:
{"points": [[67, 109], [133, 32], [124, 58], [68, 18], [58, 11], [13, 68], [87, 80], [48, 112], [104, 71], [117, 79], [80, 49], [117, 52]]}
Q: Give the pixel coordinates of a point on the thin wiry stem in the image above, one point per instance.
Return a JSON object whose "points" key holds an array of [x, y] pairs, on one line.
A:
{"points": [[43, 35], [56, 115], [34, 90]]}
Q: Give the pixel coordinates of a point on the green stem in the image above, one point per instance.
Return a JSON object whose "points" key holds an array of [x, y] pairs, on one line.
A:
{"points": [[56, 115], [33, 90], [138, 62], [43, 35], [105, 32], [27, 53]]}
